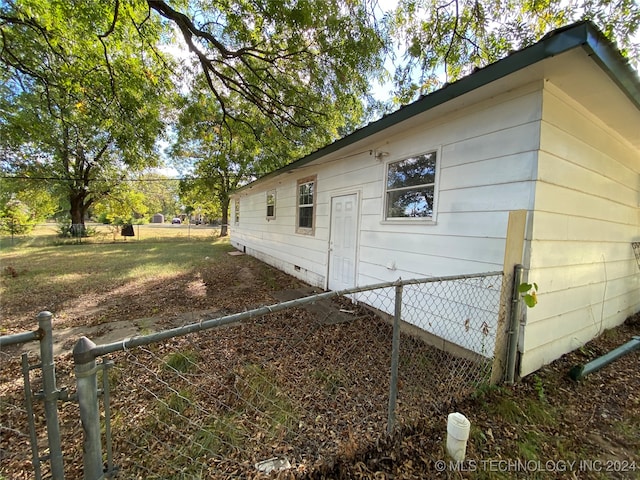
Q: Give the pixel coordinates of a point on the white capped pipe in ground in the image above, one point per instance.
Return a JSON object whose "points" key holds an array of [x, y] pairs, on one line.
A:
{"points": [[458, 427]]}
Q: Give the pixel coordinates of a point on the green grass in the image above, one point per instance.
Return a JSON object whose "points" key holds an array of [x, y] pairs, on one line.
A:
{"points": [[527, 411], [173, 409], [533, 436], [28, 271], [258, 411], [269, 278], [258, 389], [181, 362], [220, 437], [630, 427]]}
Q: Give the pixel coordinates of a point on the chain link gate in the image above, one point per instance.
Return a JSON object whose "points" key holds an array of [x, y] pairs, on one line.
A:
{"points": [[50, 395]]}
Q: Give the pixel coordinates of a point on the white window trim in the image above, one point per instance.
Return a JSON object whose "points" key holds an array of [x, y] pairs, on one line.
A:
{"points": [[302, 181], [236, 212], [432, 220]]}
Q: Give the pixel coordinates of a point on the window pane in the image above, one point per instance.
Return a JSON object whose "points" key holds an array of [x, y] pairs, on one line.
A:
{"points": [[305, 217], [271, 204], [305, 196], [419, 170], [410, 203]]}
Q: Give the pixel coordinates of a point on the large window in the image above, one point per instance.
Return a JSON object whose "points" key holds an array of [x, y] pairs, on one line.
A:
{"points": [[271, 204], [410, 187], [306, 205]]}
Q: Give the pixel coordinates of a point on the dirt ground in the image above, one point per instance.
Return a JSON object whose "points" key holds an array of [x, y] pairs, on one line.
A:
{"points": [[545, 426], [546, 418]]}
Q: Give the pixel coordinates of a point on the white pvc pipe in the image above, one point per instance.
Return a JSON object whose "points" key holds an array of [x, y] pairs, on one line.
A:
{"points": [[457, 434]]}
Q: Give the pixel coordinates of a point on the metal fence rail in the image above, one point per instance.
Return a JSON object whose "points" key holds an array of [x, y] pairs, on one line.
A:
{"points": [[292, 386]]}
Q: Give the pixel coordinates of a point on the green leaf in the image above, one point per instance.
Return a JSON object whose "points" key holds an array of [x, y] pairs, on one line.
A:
{"points": [[524, 287], [530, 300]]}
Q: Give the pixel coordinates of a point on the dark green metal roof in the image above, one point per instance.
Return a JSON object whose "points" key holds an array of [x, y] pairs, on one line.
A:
{"points": [[583, 34]]}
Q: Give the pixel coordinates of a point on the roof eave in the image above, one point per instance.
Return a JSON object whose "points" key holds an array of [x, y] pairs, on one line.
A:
{"points": [[583, 34]]}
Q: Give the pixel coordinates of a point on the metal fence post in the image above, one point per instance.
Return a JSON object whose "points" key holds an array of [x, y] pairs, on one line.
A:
{"points": [[87, 387], [395, 354], [514, 324], [28, 403], [51, 394]]}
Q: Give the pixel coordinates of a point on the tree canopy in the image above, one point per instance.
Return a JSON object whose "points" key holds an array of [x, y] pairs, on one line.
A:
{"points": [[283, 57], [78, 103], [439, 41], [84, 84], [224, 154], [287, 59]]}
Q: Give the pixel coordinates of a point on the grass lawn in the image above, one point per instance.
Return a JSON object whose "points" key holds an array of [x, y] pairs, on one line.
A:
{"points": [[43, 272]]}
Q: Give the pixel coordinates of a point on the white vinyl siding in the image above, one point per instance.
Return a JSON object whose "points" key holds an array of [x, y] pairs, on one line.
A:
{"points": [[586, 215], [472, 209], [478, 184], [520, 143]]}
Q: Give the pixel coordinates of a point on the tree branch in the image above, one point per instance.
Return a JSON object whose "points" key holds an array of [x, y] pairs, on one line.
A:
{"points": [[102, 37], [453, 36], [259, 91]]}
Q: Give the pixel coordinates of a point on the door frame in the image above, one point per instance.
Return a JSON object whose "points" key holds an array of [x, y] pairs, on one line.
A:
{"points": [[346, 193]]}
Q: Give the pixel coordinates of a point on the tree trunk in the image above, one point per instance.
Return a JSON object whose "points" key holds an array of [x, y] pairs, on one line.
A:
{"points": [[224, 206], [77, 211]]}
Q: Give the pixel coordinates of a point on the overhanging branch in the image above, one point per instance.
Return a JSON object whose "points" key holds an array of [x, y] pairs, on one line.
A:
{"points": [[247, 71]]}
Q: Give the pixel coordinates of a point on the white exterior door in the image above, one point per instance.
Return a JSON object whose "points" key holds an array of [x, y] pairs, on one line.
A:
{"points": [[343, 242]]}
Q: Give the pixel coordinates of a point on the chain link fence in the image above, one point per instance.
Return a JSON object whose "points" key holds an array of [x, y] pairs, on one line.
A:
{"points": [[30, 431], [296, 388], [293, 387]]}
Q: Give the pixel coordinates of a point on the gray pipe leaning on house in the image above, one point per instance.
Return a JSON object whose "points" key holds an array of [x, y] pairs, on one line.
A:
{"points": [[580, 371]]}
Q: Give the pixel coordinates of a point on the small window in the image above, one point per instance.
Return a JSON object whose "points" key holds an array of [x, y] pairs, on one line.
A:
{"points": [[237, 212], [410, 187], [306, 205], [271, 204]]}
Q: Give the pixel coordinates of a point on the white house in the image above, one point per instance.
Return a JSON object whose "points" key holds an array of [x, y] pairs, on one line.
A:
{"points": [[549, 135]]}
